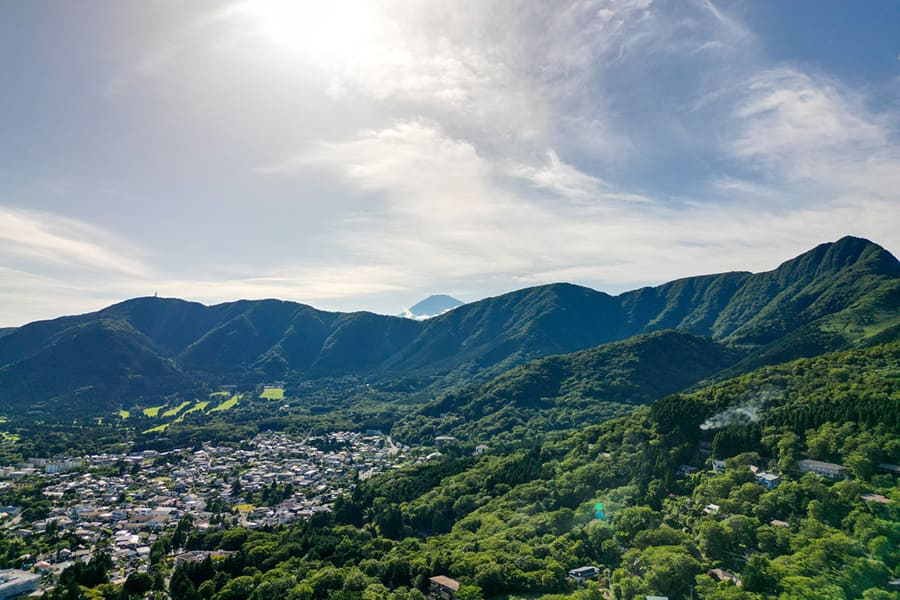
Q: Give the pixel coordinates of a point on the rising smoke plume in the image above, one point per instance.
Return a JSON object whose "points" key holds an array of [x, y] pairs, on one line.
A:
{"points": [[749, 411]]}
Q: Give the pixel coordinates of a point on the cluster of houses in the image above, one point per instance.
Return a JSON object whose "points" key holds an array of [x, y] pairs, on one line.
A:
{"points": [[125, 502], [771, 480]]}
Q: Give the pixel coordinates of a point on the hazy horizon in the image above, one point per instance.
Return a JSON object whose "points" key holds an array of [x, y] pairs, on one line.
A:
{"points": [[399, 313], [362, 155]]}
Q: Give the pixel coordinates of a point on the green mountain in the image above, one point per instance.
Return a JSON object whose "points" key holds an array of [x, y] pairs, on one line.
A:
{"points": [[95, 366], [568, 391], [826, 299], [851, 275], [832, 297], [512, 523]]}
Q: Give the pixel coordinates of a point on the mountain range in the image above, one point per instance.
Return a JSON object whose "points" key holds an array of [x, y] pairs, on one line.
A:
{"points": [[834, 296]]}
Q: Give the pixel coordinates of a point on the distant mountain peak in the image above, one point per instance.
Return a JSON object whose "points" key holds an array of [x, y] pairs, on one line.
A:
{"points": [[432, 306], [831, 297]]}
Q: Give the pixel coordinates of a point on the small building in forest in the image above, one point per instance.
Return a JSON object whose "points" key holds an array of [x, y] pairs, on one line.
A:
{"points": [[769, 480], [825, 469], [723, 575], [582, 574], [442, 588]]}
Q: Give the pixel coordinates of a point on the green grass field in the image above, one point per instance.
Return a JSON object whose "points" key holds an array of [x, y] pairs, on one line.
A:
{"points": [[230, 403], [272, 393], [124, 414], [157, 429], [177, 414], [174, 411], [153, 411], [199, 406]]}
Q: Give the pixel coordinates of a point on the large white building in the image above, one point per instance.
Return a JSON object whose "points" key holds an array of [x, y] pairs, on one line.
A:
{"points": [[825, 469], [14, 582]]}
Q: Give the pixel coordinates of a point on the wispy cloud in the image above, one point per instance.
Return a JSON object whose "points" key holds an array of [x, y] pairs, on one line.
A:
{"points": [[51, 240], [317, 284], [470, 222], [560, 178], [426, 145], [787, 119], [54, 264]]}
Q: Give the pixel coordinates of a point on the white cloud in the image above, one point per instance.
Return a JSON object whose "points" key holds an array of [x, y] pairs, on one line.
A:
{"points": [[788, 117], [51, 240], [473, 148], [26, 296], [314, 284], [560, 178], [54, 264], [446, 213]]}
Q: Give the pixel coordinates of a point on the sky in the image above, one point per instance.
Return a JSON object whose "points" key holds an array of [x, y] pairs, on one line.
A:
{"points": [[361, 155]]}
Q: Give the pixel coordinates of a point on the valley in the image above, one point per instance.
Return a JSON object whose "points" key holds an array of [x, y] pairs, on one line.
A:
{"points": [[741, 432]]}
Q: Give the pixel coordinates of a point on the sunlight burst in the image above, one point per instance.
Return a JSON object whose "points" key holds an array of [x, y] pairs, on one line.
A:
{"points": [[327, 33]]}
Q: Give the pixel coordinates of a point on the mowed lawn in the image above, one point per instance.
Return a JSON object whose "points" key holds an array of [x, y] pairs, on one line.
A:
{"points": [[272, 393], [230, 403], [200, 406], [153, 411], [178, 413], [174, 411], [157, 429]]}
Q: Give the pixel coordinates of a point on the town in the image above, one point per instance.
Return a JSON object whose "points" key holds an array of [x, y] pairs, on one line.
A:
{"points": [[122, 504]]}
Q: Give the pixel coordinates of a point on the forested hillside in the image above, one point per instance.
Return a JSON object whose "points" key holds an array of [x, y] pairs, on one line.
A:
{"points": [[140, 351], [569, 391], [511, 524]]}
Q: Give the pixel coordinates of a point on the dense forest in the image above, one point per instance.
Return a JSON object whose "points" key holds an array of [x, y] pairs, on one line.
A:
{"points": [[143, 351], [676, 522], [666, 438]]}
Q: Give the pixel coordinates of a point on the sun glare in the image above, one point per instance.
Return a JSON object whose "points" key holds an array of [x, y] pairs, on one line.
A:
{"points": [[326, 32]]}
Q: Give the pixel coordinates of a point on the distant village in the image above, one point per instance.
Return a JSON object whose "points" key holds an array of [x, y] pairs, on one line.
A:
{"points": [[123, 503]]}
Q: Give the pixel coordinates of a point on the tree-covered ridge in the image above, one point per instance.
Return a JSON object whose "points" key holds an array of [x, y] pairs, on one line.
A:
{"points": [[858, 386], [569, 391], [141, 350]]}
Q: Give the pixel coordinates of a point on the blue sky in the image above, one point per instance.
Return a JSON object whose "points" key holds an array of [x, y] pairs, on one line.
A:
{"points": [[361, 155]]}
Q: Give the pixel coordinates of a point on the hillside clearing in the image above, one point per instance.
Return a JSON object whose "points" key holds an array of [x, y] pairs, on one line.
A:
{"points": [[230, 403], [272, 393], [174, 411], [153, 411]]}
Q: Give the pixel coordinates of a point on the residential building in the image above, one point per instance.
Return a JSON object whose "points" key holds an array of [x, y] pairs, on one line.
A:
{"points": [[582, 574], [723, 575], [825, 469], [14, 582], [769, 480], [442, 588], [876, 498]]}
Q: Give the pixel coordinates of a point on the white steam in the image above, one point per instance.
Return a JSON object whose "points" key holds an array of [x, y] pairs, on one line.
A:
{"points": [[745, 413]]}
